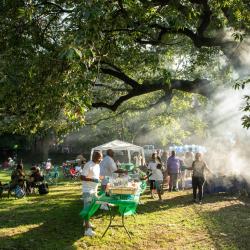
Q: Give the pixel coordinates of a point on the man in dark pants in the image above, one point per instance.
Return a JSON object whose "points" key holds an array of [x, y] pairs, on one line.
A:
{"points": [[199, 168], [198, 182]]}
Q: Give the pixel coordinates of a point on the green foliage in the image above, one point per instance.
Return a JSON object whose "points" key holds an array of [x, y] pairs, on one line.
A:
{"points": [[52, 53], [241, 84]]}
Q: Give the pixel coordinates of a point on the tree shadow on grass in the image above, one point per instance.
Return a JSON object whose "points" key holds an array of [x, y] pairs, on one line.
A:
{"points": [[58, 225], [179, 199], [229, 225]]}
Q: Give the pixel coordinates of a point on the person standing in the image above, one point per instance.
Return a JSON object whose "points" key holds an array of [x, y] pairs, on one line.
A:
{"points": [[173, 169], [182, 174], [188, 160], [152, 168], [90, 175], [48, 166], [158, 180], [199, 168], [107, 168], [164, 160]]}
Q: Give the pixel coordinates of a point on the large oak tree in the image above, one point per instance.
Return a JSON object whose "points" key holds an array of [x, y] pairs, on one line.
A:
{"points": [[61, 58]]}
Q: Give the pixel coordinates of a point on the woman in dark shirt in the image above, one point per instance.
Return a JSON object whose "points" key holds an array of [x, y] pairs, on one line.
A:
{"points": [[34, 178], [18, 176]]}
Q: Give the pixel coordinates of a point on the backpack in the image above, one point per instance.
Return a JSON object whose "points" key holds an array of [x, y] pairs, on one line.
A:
{"points": [[43, 189], [19, 192]]}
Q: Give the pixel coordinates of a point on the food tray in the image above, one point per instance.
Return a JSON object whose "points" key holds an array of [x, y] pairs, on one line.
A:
{"points": [[123, 190]]}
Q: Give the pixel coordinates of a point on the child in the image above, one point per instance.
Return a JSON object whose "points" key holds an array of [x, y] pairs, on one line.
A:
{"points": [[151, 170], [158, 180]]}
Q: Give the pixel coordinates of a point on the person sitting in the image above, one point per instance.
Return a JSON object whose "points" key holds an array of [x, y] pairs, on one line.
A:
{"points": [[17, 178], [72, 169], [80, 166], [5, 164], [11, 162], [34, 178]]}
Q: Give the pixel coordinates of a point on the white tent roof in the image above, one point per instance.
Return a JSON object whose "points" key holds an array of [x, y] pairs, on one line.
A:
{"points": [[118, 145]]}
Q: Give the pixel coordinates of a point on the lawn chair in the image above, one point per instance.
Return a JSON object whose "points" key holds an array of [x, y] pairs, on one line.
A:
{"points": [[74, 175], [3, 188], [52, 176], [17, 191]]}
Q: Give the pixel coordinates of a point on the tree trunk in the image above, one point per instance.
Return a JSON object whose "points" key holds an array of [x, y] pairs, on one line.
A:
{"points": [[40, 147]]}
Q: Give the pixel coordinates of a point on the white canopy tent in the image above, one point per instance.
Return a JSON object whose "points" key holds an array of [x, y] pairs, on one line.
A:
{"points": [[118, 145]]}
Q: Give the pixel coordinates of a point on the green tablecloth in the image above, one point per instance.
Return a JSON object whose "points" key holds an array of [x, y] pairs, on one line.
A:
{"points": [[127, 204], [126, 207]]}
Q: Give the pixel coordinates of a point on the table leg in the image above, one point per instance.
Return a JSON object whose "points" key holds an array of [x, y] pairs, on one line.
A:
{"points": [[111, 217], [124, 224], [110, 220]]}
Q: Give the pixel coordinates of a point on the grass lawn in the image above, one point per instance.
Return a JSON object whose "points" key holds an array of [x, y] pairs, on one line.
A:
{"points": [[53, 222]]}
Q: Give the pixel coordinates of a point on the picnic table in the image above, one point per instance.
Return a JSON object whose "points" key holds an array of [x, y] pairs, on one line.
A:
{"points": [[126, 204]]}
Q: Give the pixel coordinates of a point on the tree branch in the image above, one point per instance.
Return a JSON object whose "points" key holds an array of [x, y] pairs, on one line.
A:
{"points": [[198, 86], [155, 3], [205, 18], [165, 98], [117, 103], [198, 40], [116, 72]]}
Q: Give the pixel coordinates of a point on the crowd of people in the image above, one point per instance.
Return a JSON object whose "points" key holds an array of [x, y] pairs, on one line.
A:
{"points": [[23, 183], [175, 170], [164, 169]]}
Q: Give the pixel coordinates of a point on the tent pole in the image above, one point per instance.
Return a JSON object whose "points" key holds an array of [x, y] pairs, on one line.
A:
{"points": [[129, 156], [143, 157]]}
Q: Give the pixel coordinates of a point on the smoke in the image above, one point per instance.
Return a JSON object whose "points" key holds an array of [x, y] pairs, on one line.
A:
{"points": [[237, 52], [228, 142]]}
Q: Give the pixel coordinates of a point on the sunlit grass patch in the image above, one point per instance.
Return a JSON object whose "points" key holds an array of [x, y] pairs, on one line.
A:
{"points": [[13, 231]]}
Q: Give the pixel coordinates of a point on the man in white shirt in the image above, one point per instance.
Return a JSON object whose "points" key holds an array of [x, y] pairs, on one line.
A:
{"points": [[90, 177], [108, 167]]}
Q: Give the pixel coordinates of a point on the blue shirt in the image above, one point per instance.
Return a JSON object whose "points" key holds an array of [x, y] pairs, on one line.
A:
{"points": [[173, 165]]}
